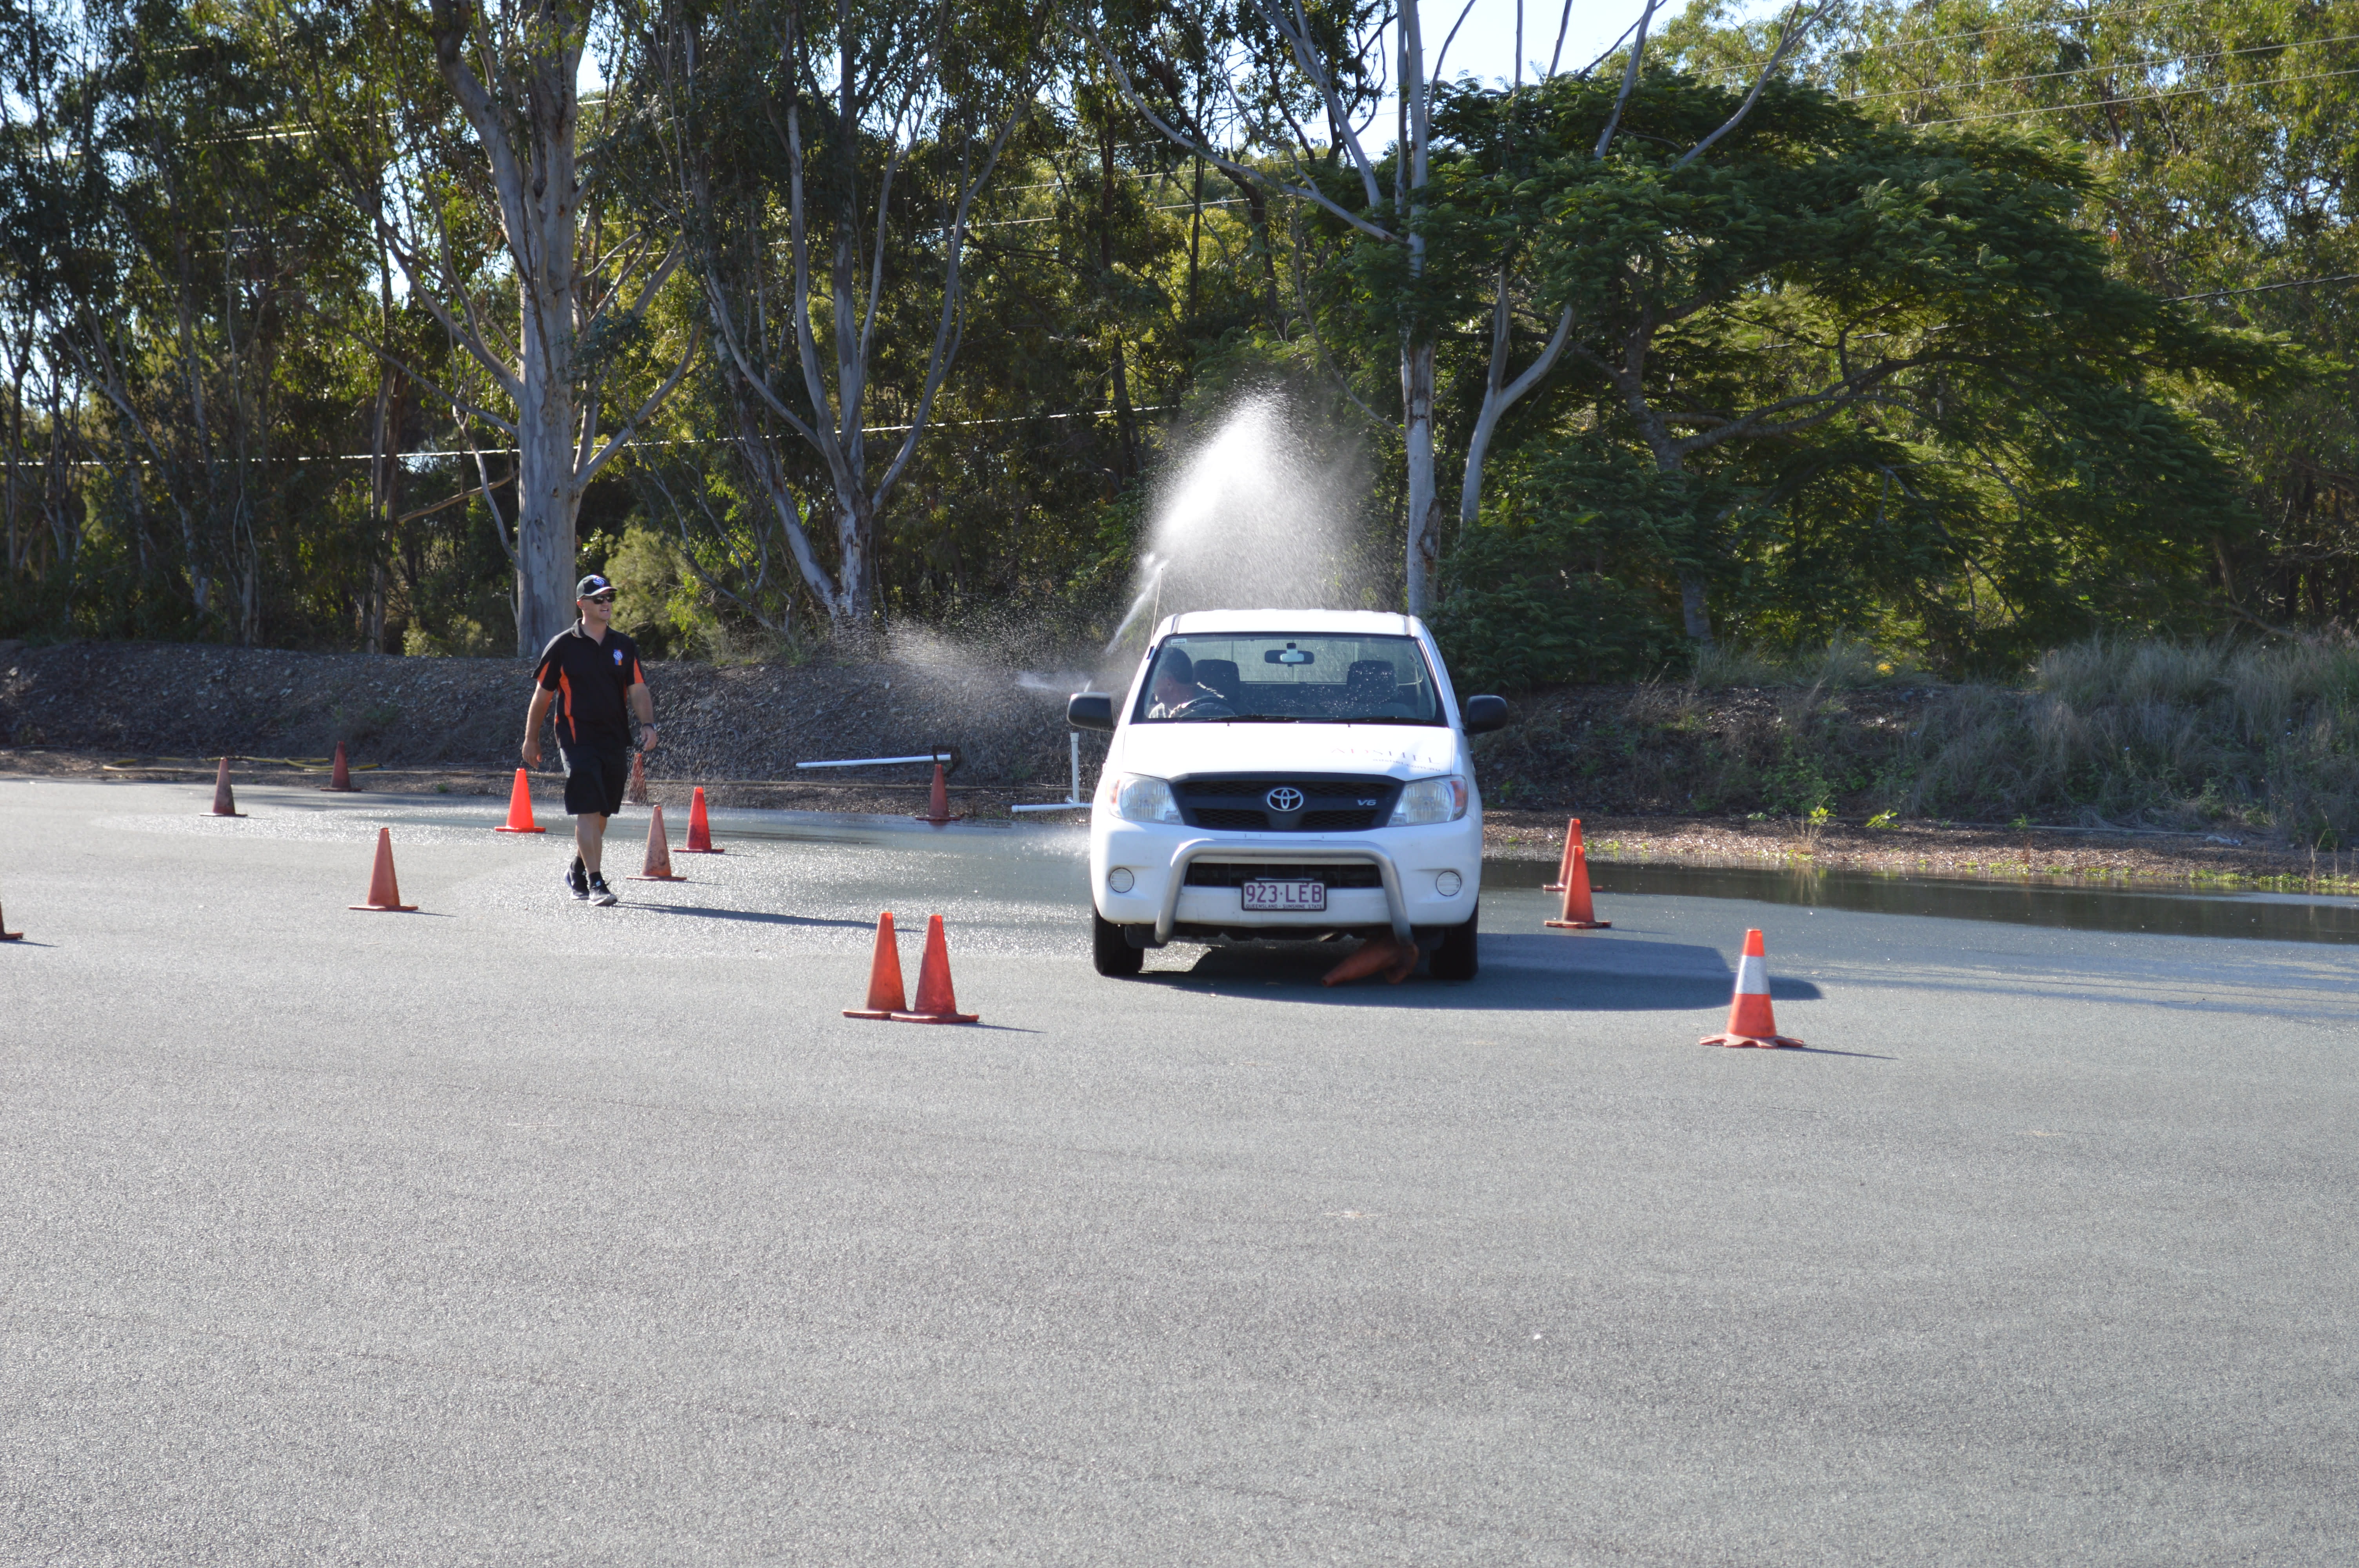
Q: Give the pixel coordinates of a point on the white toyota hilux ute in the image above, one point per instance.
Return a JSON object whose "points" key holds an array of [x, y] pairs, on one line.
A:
{"points": [[1287, 773]]}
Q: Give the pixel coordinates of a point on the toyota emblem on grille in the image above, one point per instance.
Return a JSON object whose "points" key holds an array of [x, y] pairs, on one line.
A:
{"points": [[1285, 800]]}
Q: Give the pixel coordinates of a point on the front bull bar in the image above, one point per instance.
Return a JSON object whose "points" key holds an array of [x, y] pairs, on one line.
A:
{"points": [[1323, 854]]}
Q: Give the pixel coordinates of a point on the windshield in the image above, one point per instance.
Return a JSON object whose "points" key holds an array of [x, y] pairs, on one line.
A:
{"points": [[1281, 677]]}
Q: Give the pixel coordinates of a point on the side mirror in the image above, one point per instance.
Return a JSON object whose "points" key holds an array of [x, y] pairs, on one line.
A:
{"points": [[1093, 710], [1482, 714]]}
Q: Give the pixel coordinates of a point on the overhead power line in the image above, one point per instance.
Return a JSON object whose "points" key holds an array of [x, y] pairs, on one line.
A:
{"points": [[2265, 287], [2094, 69], [2094, 13], [2130, 100], [425, 455]]}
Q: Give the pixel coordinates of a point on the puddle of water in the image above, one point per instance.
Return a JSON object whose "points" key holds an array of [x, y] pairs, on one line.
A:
{"points": [[2274, 917], [1039, 860]]}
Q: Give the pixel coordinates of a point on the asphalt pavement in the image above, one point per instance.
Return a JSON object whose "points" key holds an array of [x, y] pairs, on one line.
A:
{"points": [[519, 1231]]}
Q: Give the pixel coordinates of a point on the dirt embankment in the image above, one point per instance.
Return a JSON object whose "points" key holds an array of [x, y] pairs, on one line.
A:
{"points": [[456, 723], [1656, 773]]}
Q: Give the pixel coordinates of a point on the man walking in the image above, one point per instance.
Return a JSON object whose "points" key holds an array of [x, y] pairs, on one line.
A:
{"points": [[591, 673]]}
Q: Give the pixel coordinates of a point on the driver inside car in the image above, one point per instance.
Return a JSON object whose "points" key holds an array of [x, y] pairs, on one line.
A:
{"points": [[1176, 694]]}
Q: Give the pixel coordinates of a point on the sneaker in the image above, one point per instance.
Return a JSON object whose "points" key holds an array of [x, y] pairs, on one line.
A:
{"points": [[577, 880], [600, 893]]}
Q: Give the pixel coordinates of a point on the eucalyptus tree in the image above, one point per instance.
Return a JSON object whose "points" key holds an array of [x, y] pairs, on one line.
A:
{"points": [[1308, 80], [52, 193], [220, 253], [2222, 141], [572, 361], [868, 131], [1812, 283]]}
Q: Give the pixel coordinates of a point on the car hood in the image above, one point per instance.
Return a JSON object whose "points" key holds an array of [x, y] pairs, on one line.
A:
{"points": [[1395, 750]]}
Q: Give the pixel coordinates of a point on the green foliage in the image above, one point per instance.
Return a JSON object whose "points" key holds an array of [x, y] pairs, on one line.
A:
{"points": [[658, 599], [1873, 376], [1871, 373], [1568, 576]]}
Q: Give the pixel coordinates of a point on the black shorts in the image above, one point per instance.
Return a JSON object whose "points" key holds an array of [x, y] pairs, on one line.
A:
{"points": [[597, 776]]}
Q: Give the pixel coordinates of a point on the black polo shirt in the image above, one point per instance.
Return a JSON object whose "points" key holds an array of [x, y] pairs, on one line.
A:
{"points": [[590, 679]]}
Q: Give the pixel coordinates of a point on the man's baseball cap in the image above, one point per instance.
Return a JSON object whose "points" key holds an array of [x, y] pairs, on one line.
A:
{"points": [[591, 586]]}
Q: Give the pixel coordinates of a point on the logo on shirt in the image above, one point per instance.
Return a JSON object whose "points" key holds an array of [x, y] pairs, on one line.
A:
{"points": [[618, 658]]}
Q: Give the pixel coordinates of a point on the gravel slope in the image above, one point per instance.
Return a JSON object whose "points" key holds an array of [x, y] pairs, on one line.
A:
{"points": [[147, 701], [1629, 760]]}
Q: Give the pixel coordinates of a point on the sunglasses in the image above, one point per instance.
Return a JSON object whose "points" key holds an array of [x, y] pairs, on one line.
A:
{"points": [[600, 599]]}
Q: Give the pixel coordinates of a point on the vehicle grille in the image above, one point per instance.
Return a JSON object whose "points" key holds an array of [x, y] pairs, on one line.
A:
{"points": [[1331, 802], [1236, 873]]}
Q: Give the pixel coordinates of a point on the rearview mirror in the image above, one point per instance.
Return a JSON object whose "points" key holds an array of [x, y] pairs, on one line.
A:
{"points": [[1484, 714], [1090, 710], [1290, 654]]}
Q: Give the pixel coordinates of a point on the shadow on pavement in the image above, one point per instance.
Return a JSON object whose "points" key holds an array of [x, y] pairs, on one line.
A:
{"points": [[759, 916], [1518, 972]]}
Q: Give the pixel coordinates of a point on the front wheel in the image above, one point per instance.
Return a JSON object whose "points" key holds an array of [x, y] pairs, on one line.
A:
{"points": [[1115, 957], [1455, 958]]}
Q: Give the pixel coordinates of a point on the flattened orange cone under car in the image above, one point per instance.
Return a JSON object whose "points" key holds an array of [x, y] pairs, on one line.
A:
{"points": [[224, 801], [658, 866], [1564, 865], [1579, 912], [887, 996], [384, 891], [1387, 955], [699, 826], [936, 1004], [520, 809], [1750, 1019]]}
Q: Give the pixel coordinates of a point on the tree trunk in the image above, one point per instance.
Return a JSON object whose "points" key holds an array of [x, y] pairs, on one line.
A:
{"points": [[1126, 420], [1424, 496], [855, 534], [546, 497], [1692, 608], [537, 182]]}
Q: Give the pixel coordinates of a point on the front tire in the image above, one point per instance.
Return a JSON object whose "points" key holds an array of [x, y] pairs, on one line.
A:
{"points": [[1456, 960], [1114, 957]]}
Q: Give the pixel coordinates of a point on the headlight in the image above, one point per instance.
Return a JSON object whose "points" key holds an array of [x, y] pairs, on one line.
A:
{"points": [[1430, 800], [1145, 800]]}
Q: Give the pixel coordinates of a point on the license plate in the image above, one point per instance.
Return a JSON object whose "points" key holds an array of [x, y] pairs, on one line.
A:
{"points": [[1309, 898]]}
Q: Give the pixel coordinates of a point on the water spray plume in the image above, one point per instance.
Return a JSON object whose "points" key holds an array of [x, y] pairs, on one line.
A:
{"points": [[1250, 521]]}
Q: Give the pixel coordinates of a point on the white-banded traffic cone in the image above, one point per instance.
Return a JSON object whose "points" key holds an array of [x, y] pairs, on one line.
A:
{"points": [[1751, 1021]]}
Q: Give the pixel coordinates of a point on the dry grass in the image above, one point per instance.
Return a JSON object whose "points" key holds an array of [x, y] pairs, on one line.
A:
{"points": [[2253, 740], [2262, 736]]}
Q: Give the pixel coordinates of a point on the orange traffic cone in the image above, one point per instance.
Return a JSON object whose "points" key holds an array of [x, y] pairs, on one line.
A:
{"points": [[520, 809], [1750, 1020], [638, 793], [938, 802], [224, 803], [887, 996], [936, 1004], [658, 866], [341, 779], [1564, 867], [699, 826], [1580, 913], [1388, 953], [384, 891]]}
